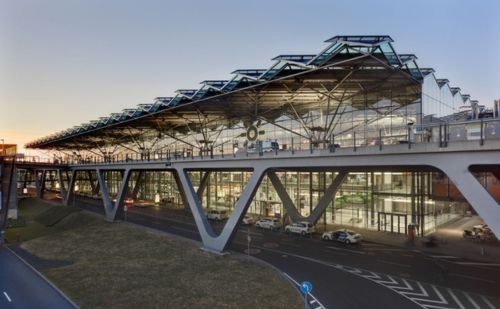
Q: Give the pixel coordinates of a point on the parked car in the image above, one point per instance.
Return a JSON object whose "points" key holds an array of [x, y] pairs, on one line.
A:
{"points": [[247, 220], [343, 235], [217, 215], [302, 228], [268, 223]]}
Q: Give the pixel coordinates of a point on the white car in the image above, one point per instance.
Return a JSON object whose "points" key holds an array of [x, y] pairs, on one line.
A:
{"points": [[217, 215], [247, 220], [345, 236], [302, 228], [268, 223]]}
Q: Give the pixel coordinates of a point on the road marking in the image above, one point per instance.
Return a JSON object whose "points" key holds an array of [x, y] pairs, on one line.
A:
{"points": [[436, 307], [487, 302], [314, 299], [471, 277], [444, 257], [455, 298], [392, 263], [7, 296], [388, 250], [471, 301], [422, 298], [423, 292], [477, 264], [341, 249]]}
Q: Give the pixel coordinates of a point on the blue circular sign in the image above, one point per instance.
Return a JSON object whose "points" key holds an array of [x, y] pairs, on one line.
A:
{"points": [[306, 287]]}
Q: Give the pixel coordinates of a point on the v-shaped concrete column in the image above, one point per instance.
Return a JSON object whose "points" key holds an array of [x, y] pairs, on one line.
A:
{"points": [[94, 185], [111, 208], [61, 183], [479, 198], [211, 241], [137, 185], [70, 192], [40, 182], [203, 184], [322, 203]]}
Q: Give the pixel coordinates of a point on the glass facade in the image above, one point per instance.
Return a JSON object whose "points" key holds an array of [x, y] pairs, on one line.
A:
{"points": [[383, 201]]}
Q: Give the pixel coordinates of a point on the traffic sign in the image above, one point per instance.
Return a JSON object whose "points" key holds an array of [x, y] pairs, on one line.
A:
{"points": [[306, 287]]}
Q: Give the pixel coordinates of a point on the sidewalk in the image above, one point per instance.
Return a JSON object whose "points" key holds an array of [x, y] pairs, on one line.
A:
{"points": [[451, 242]]}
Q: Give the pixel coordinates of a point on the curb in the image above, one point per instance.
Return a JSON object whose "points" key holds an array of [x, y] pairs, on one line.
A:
{"points": [[44, 278]]}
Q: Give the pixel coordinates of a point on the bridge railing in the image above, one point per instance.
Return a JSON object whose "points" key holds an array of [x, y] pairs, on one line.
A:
{"points": [[442, 134]]}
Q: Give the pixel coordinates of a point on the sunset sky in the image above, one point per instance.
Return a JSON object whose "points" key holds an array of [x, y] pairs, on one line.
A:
{"points": [[65, 62]]}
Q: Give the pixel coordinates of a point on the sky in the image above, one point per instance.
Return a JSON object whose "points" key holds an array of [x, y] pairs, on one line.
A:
{"points": [[65, 62]]}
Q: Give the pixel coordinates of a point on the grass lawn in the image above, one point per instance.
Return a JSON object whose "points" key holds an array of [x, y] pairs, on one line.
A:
{"points": [[29, 210], [117, 265]]}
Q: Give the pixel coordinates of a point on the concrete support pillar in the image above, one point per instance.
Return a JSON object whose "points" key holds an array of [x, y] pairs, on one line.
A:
{"points": [[37, 181], [41, 186], [12, 207], [94, 185], [203, 184], [211, 241], [322, 203], [137, 185], [111, 208], [479, 198], [71, 188], [284, 197], [61, 183], [327, 197]]}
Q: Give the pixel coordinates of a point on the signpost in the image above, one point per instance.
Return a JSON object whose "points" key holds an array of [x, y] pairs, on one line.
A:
{"points": [[306, 288]]}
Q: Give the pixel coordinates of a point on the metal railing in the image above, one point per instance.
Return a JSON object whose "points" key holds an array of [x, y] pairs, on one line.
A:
{"points": [[441, 134]]}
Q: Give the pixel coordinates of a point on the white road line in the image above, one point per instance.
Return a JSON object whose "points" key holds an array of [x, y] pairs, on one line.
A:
{"points": [[407, 288], [352, 251], [320, 305], [436, 307], [7, 296], [487, 302], [471, 301], [392, 281], [455, 298], [444, 256], [441, 300], [423, 292], [471, 277], [392, 263], [476, 264]]}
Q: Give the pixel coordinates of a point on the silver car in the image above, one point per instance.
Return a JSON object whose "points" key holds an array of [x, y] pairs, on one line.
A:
{"points": [[268, 223], [302, 228]]}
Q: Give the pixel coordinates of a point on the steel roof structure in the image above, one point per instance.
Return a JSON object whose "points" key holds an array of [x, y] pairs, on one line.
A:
{"points": [[353, 70]]}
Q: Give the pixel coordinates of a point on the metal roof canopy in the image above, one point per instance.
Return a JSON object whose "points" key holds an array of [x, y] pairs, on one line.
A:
{"points": [[358, 72]]}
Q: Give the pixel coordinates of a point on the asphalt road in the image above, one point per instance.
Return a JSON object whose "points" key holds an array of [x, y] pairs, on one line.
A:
{"points": [[361, 276], [21, 287]]}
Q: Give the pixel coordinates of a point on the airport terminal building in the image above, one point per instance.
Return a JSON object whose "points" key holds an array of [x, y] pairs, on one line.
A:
{"points": [[340, 137]]}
